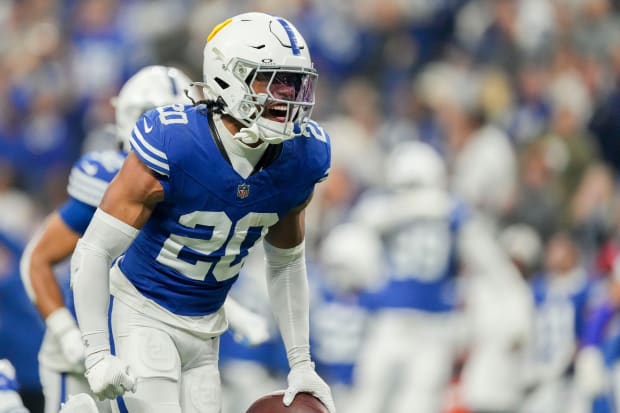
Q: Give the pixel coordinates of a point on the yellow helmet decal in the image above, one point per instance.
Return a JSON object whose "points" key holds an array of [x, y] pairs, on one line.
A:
{"points": [[217, 29]]}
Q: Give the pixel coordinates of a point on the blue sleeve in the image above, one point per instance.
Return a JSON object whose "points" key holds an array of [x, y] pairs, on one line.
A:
{"points": [[321, 157], [76, 214], [148, 142]]}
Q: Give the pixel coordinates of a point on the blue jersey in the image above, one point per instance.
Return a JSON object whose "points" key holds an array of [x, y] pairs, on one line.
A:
{"points": [[88, 181], [192, 248], [337, 325], [423, 263], [560, 315]]}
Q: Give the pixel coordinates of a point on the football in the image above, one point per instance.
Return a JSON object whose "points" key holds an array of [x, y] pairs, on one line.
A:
{"points": [[272, 403]]}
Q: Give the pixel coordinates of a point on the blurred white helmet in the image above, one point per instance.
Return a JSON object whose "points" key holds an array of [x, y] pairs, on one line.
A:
{"points": [[259, 51], [149, 88], [522, 243], [415, 164], [352, 256]]}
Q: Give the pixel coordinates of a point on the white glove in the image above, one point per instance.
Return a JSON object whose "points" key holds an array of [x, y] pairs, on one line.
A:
{"points": [[303, 378], [248, 327], [109, 376], [63, 326]]}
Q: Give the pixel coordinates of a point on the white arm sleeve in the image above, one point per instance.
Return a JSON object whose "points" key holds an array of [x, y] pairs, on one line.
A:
{"points": [[287, 285], [24, 265], [482, 254], [105, 239]]}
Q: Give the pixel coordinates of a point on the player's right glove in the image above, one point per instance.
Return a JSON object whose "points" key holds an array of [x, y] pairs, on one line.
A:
{"points": [[108, 376], [303, 378], [63, 326]]}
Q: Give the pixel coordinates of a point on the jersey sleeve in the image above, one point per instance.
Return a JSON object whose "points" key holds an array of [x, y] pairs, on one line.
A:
{"points": [[76, 214], [148, 141], [88, 180], [319, 152]]}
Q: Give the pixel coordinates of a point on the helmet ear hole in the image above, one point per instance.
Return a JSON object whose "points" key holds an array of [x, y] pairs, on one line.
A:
{"points": [[221, 83]]}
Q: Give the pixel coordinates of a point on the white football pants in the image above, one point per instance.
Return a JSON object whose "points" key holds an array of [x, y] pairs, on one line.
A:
{"points": [[406, 363], [176, 371]]}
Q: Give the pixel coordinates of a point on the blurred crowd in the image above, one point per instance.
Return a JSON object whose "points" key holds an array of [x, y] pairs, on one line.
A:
{"points": [[521, 100]]}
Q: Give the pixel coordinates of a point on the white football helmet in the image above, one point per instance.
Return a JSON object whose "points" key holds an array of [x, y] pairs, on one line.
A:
{"points": [[352, 256], [414, 164], [258, 66], [149, 88]]}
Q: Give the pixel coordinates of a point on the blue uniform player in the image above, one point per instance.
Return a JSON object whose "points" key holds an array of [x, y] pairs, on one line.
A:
{"points": [[430, 238], [201, 186], [61, 356]]}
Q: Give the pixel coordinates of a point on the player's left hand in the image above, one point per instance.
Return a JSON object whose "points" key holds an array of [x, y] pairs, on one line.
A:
{"points": [[303, 378], [63, 326]]}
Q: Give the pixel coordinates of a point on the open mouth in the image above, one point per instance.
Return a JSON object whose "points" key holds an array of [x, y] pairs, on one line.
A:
{"points": [[276, 112]]}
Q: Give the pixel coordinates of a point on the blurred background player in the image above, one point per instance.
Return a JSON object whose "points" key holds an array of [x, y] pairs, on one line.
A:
{"points": [[201, 186], [430, 238], [10, 401], [350, 265], [498, 321], [561, 293]]}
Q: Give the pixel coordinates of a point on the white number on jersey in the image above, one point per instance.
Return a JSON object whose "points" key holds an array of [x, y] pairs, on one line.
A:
{"points": [[421, 251], [311, 128], [171, 114], [222, 268]]}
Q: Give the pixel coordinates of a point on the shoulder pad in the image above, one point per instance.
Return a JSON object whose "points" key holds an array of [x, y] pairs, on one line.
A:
{"points": [[319, 156]]}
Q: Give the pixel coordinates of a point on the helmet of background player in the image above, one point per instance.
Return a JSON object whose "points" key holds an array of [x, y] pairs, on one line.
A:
{"points": [[352, 256], [415, 165], [259, 67], [149, 88]]}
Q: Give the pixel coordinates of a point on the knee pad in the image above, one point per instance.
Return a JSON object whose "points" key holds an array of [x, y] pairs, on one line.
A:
{"points": [[151, 353], [202, 390]]}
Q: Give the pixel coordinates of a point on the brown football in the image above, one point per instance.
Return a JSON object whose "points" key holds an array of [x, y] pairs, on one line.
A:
{"points": [[272, 403]]}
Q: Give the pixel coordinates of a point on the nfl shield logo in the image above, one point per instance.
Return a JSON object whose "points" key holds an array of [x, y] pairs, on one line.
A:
{"points": [[243, 191]]}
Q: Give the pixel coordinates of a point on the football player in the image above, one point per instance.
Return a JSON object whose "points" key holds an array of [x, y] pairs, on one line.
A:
{"points": [[200, 187], [10, 401], [61, 355], [429, 236]]}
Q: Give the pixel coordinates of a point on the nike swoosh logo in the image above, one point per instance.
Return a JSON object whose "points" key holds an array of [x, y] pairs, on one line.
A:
{"points": [[147, 128]]}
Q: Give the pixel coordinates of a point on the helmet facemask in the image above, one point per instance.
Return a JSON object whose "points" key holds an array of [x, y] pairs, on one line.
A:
{"points": [[277, 102]]}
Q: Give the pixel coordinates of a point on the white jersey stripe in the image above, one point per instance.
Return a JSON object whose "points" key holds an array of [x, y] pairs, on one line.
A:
{"points": [[154, 151], [86, 188], [156, 165]]}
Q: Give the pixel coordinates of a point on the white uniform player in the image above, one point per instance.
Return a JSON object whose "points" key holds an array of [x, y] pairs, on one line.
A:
{"points": [[430, 237]]}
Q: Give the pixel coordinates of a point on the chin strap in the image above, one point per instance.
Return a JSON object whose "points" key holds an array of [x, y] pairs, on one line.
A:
{"points": [[250, 135], [266, 132]]}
